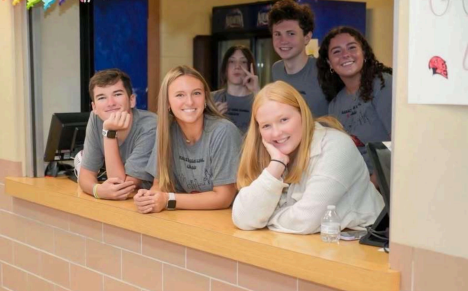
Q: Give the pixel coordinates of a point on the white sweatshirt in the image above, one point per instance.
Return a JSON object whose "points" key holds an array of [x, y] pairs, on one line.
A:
{"points": [[336, 175]]}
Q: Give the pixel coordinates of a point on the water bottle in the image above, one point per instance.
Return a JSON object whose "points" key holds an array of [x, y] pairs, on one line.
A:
{"points": [[331, 226]]}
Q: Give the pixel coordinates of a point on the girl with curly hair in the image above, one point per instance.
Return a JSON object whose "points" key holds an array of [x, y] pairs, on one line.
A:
{"points": [[358, 86]]}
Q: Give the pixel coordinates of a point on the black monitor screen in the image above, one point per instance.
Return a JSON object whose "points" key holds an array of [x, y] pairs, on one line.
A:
{"points": [[378, 234], [381, 158], [66, 136]]}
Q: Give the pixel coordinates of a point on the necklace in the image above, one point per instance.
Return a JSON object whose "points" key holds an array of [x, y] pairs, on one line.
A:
{"points": [[353, 96], [188, 141]]}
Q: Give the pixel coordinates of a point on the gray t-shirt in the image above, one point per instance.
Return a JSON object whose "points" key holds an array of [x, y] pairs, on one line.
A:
{"points": [[366, 121], [239, 107], [134, 151], [212, 161], [305, 81]]}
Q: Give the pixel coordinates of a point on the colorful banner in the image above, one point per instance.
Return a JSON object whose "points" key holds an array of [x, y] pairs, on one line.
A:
{"points": [[47, 3]]}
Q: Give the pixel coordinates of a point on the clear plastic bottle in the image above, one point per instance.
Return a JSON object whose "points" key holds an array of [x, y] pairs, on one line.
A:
{"points": [[331, 226]]}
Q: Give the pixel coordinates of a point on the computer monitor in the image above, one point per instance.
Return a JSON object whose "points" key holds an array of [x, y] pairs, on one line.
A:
{"points": [[66, 138], [379, 233]]}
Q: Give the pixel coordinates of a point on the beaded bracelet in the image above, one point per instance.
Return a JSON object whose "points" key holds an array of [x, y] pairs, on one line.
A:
{"points": [[95, 191]]}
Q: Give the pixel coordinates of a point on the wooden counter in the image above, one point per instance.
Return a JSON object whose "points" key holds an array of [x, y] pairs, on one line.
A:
{"points": [[344, 266]]}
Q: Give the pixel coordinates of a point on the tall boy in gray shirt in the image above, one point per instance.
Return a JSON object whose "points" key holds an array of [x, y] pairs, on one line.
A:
{"points": [[117, 134], [291, 26]]}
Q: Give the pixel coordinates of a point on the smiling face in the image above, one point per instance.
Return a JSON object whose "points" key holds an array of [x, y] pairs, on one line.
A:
{"points": [[289, 40], [112, 98], [280, 125], [187, 100], [345, 56], [235, 74]]}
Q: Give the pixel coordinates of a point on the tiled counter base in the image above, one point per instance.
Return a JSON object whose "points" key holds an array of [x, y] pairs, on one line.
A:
{"points": [[54, 237]]}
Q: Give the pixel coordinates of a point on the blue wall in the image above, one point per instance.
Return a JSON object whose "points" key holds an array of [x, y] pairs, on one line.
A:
{"points": [[120, 41], [329, 14]]}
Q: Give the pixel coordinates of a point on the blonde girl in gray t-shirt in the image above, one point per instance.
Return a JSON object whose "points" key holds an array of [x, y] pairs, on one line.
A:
{"points": [[196, 154]]}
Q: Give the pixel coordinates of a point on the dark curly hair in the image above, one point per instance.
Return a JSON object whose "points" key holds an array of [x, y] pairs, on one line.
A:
{"points": [[247, 54], [290, 10], [331, 83]]}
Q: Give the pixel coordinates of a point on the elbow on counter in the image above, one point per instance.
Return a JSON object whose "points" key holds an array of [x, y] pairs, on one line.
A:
{"points": [[242, 224], [245, 220]]}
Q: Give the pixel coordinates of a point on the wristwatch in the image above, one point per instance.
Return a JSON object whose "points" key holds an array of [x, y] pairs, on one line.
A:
{"points": [[109, 133], [171, 202]]}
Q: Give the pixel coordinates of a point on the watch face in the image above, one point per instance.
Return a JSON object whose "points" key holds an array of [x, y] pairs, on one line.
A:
{"points": [[171, 204], [111, 133]]}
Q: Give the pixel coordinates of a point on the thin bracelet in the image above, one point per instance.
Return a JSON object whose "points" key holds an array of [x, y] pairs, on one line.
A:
{"points": [[95, 191], [273, 160]]}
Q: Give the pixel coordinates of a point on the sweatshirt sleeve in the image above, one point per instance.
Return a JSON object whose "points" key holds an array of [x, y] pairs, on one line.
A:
{"points": [[334, 171], [255, 203], [305, 216]]}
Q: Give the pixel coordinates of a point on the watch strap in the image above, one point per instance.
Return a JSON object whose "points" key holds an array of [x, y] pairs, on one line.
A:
{"points": [[109, 133], [171, 201]]}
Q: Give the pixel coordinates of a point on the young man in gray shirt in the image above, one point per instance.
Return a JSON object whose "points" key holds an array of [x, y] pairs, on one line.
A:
{"points": [[119, 135], [291, 26]]}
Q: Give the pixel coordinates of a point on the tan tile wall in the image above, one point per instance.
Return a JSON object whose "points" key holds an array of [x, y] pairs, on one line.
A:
{"points": [[8, 168], [42, 249], [423, 270]]}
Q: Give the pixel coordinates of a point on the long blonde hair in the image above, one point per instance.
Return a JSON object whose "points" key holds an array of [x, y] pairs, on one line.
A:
{"points": [[165, 120], [255, 157]]}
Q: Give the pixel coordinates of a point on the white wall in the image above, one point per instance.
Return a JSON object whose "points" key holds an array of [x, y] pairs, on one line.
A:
{"points": [[430, 164], [60, 61], [12, 134]]}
